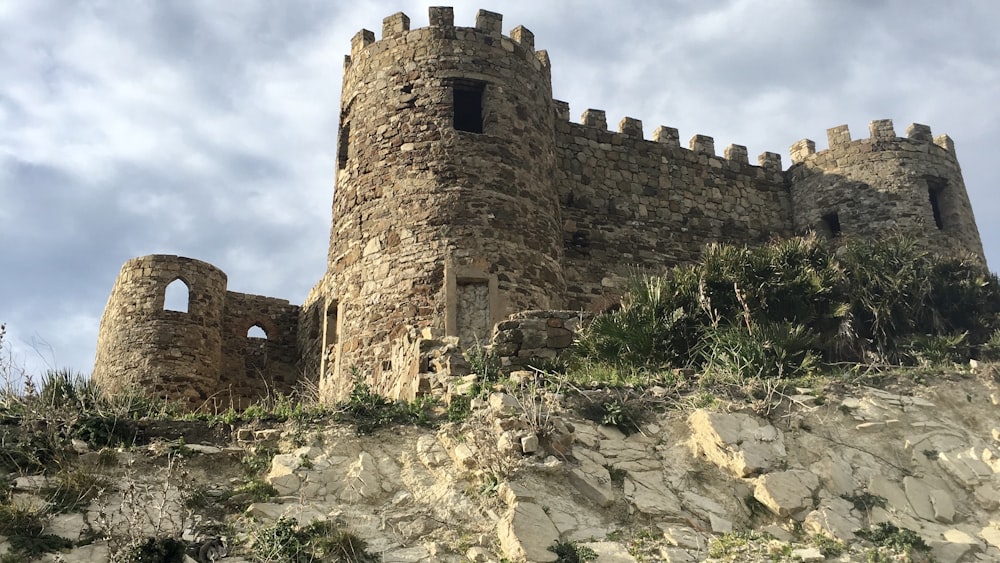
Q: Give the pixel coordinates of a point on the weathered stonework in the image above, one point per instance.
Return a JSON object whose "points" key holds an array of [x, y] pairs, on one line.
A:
{"points": [[201, 356], [464, 195]]}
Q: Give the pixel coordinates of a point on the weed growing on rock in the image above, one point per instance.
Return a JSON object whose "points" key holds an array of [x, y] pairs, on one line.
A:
{"points": [[572, 552], [619, 412], [829, 547], [896, 540], [484, 363], [24, 527], [369, 411], [286, 542], [72, 489]]}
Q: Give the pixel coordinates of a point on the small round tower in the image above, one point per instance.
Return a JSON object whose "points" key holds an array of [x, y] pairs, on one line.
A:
{"points": [[445, 219], [168, 353], [883, 184]]}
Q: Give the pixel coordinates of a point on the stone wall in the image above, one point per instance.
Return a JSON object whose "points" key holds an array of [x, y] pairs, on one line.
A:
{"points": [[534, 338], [627, 201], [255, 368], [202, 355], [171, 354]]}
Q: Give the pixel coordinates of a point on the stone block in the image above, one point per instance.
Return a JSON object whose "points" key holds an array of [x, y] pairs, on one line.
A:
{"points": [[526, 533], [786, 492]]}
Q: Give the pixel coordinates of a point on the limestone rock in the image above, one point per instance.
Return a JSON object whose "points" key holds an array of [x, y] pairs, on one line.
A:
{"points": [[592, 479], [649, 493], [610, 552], [526, 533], [736, 442], [833, 518], [808, 554], [992, 535], [431, 453], [786, 492]]}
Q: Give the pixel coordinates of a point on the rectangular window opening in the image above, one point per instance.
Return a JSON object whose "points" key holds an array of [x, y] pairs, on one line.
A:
{"points": [[936, 207], [831, 223], [343, 146], [468, 97], [330, 331]]}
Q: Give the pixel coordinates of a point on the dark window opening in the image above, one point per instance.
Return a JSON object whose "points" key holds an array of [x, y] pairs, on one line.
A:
{"points": [[936, 206], [176, 296], [330, 332], [386, 365], [831, 221], [469, 106], [343, 146]]}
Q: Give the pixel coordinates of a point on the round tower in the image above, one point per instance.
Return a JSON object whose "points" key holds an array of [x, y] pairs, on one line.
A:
{"points": [[883, 184], [445, 219], [169, 350]]}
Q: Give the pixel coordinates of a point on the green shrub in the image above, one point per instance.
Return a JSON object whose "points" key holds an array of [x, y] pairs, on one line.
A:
{"points": [[898, 540], [777, 310], [484, 363], [616, 412], [571, 552], [154, 550], [286, 542], [761, 351]]}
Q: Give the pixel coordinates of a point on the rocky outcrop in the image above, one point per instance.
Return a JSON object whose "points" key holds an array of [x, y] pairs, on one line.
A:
{"points": [[924, 459]]}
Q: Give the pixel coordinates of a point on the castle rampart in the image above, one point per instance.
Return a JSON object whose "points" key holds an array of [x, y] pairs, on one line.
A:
{"points": [[626, 201], [465, 195]]}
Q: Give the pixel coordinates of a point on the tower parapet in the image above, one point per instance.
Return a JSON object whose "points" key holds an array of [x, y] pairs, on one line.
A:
{"points": [[884, 183]]}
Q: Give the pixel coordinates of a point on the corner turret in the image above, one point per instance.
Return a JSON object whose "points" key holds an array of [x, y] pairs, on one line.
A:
{"points": [[884, 183]]}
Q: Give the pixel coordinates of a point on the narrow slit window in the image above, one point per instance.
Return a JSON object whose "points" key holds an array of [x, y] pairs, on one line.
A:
{"points": [[176, 297], [330, 333], [831, 223], [468, 97], [343, 146], [936, 207]]}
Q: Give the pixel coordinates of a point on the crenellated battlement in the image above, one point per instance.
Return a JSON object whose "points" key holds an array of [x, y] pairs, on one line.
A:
{"points": [[881, 131], [488, 27], [631, 128]]}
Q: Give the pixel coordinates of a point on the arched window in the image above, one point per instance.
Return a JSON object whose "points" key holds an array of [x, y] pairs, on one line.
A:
{"points": [[257, 331], [256, 351], [176, 296]]}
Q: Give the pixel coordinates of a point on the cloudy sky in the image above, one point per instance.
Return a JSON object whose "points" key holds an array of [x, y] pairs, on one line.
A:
{"points": [[207, 128]]}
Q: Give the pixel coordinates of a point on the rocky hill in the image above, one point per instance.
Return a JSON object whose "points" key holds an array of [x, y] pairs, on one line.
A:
{"points": [[840, 473]]}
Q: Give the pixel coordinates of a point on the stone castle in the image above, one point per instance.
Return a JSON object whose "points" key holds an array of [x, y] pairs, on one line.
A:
{"points": [[469, 209]]}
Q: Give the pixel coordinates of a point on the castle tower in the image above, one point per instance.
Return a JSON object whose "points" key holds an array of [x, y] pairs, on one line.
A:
{"points": [[445, 219], [884, 183], [171, 329], [169, 353]]}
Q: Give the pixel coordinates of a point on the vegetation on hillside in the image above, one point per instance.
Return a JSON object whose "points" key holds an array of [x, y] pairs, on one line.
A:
{"points": [[781, 309]]}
